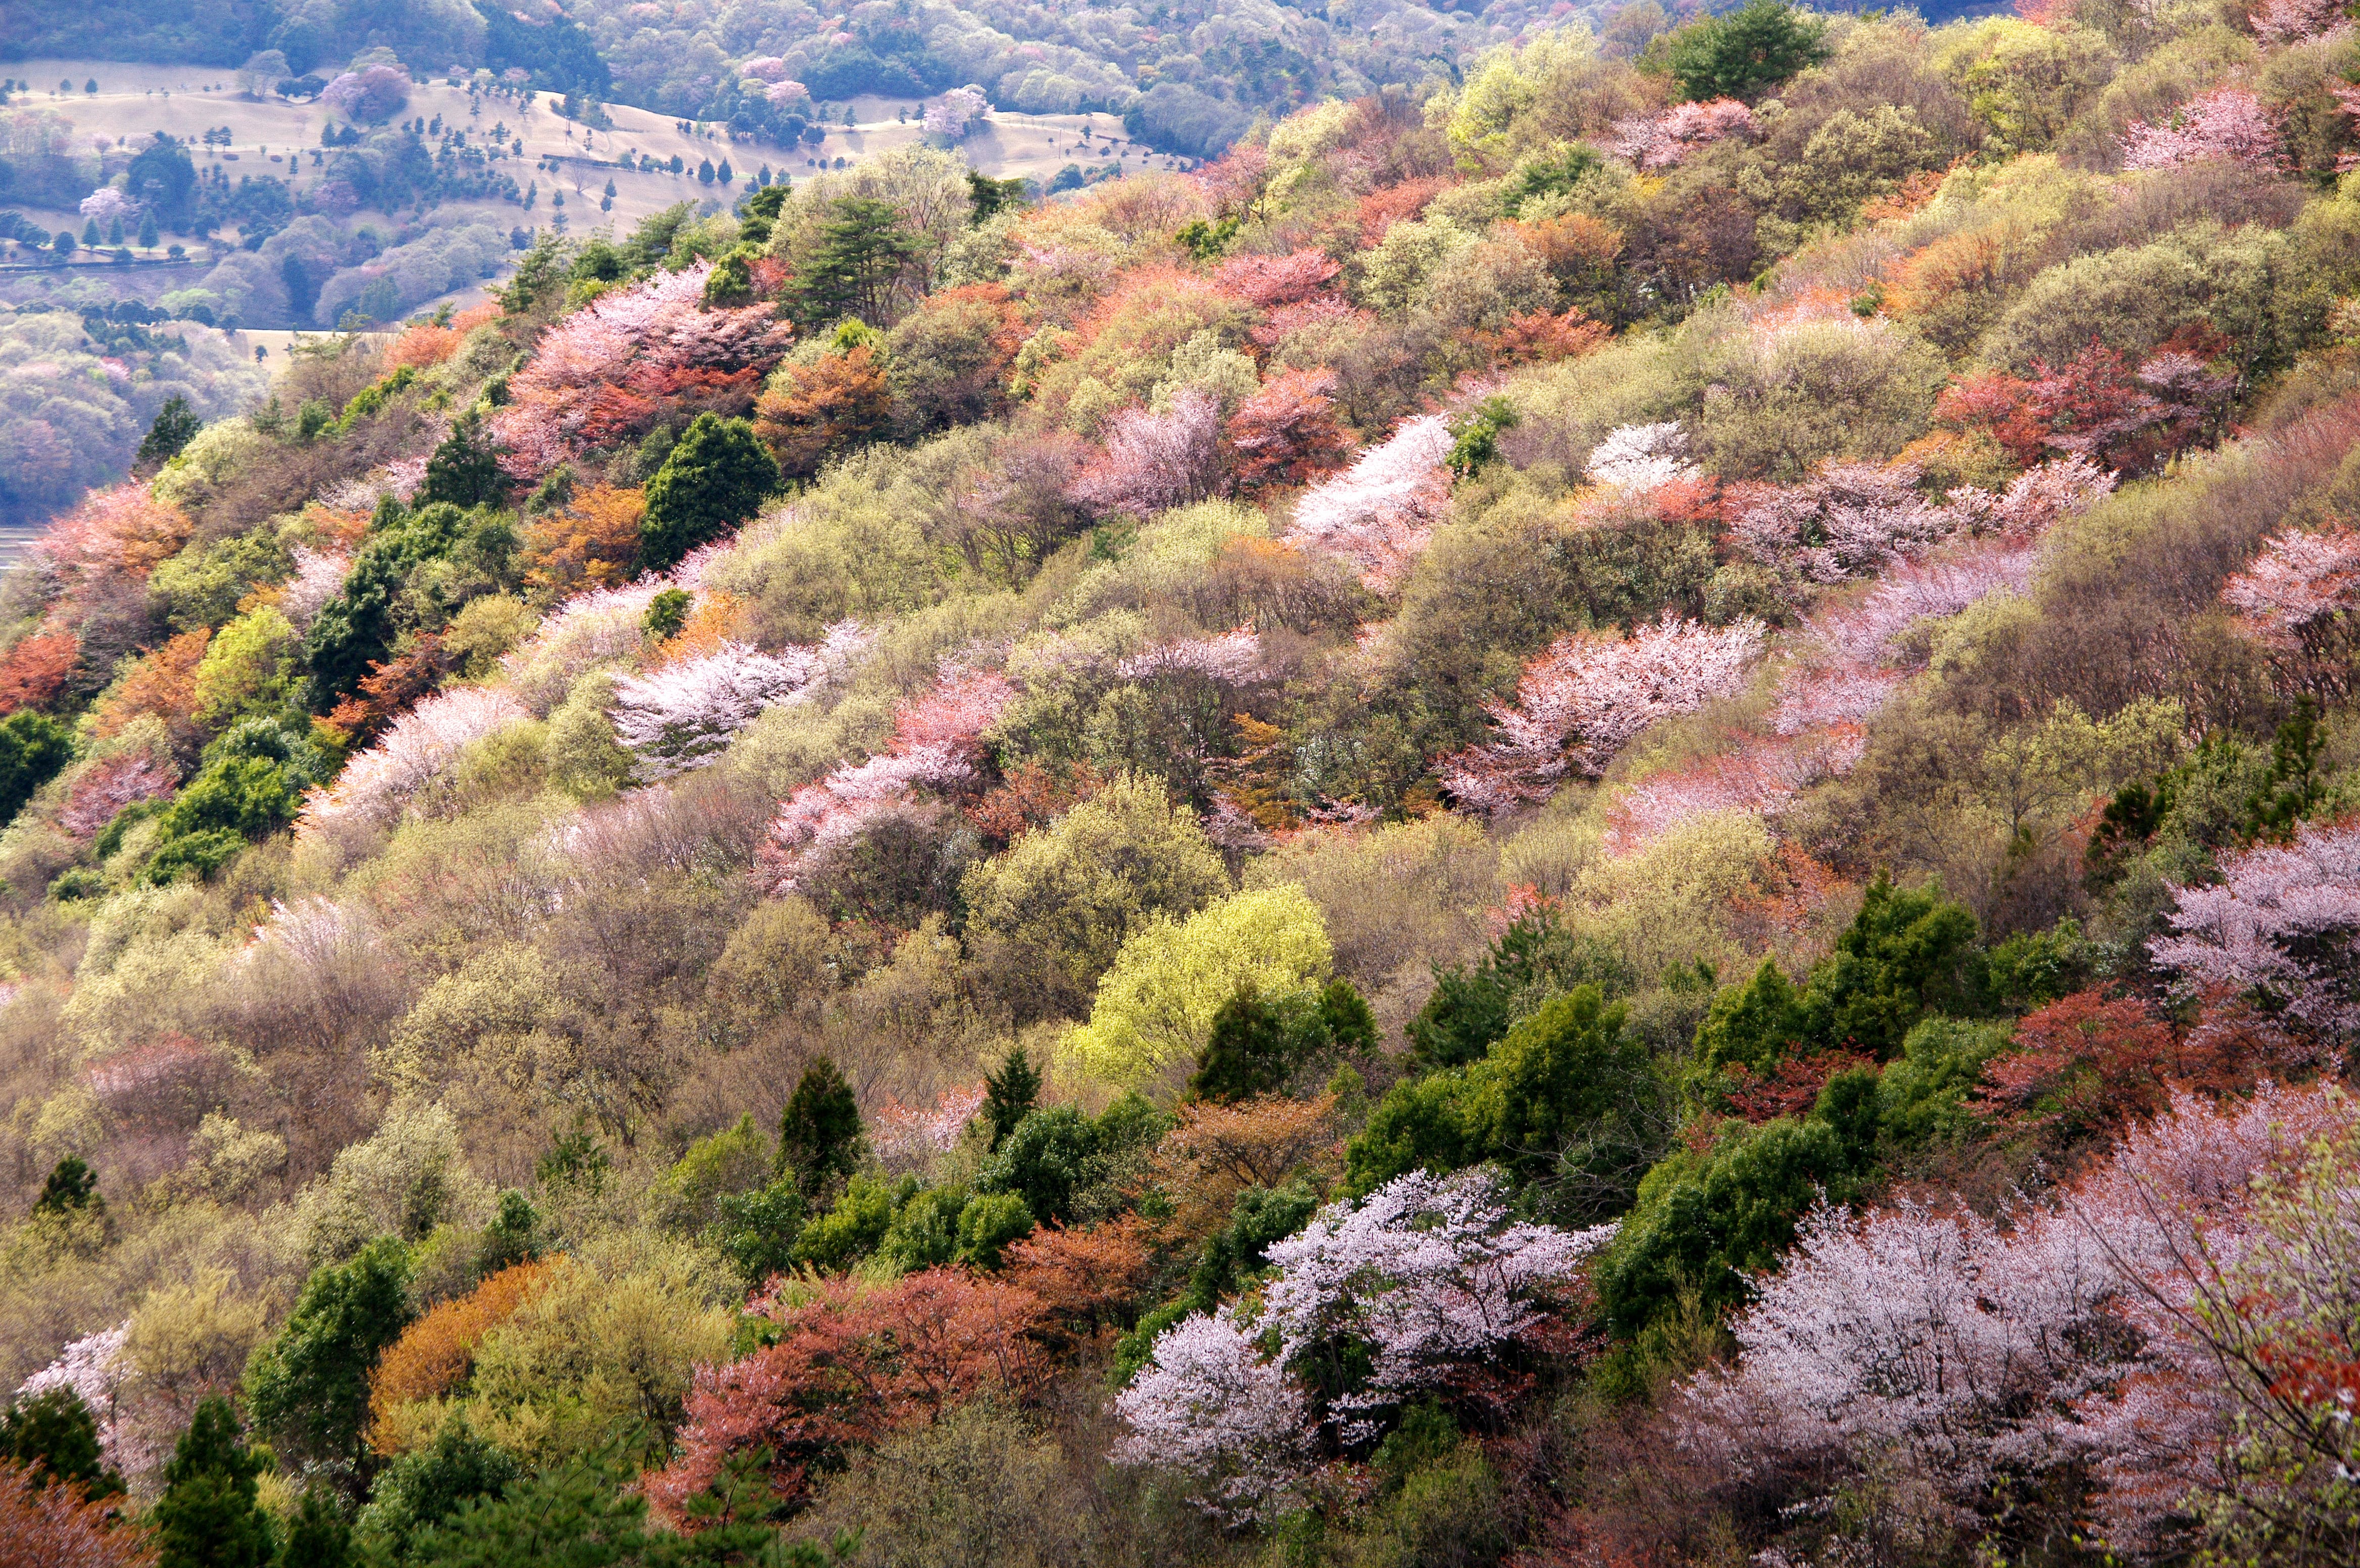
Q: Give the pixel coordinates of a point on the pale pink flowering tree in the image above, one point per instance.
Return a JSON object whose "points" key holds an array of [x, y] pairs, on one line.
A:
{"points": [[1642, 456], [605, 373], [1378, 513], [2228, 123], [1265, 281], [2283, 924], [1430, 1273], [415, 758], [1847, 520], [97, 1372], [955, 113], [682, 716], [106, 203], [1583, 701], [2298, 595], [1232, 658], [1758, 777], [937, 740], [1661, 141], [1212, 1406], [106, 787], [2237, 1234], [1431, 1276], [908, 1138], [1155, 461], [2290, 21], [318, 578], [1932, 1348], [1918, 1339]]}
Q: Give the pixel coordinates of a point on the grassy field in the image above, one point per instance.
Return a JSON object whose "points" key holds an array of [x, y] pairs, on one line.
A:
{"points": [[272, 136]]}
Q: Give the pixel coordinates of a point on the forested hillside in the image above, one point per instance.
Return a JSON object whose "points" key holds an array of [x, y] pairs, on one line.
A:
{"points": [[1602, 816]]}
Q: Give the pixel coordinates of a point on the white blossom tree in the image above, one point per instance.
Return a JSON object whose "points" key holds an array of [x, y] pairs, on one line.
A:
{"points": [[1583, 701]]}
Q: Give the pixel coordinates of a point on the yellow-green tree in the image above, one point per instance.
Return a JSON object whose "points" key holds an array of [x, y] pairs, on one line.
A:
{"points": [[1155, 1005]]}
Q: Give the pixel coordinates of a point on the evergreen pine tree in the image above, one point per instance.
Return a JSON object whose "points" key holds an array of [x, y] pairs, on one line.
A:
{"points": [[819, 1131], [1009, 1095], [714, 479], [208, 1517], [54, 1434], [72, 1185], [176, 425]]}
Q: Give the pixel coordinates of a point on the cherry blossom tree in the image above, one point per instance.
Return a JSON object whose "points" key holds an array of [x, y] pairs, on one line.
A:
{"points": [[415, 758], [1232, 658], [2288, 21], [1583, 701], [1661, 141], [1421, 1285], [105, 787], [1151, 462], [318, 578], [2283, 926], [1210, 1404], [2228, 123], [1847, 520], [586, 630], [1378, 513], [2298, 595], [97, 1372], [1642, 456], [937, 743], [607, 372], [681, 717], [1429, 1274], [908, 1138], [1265, 281], [1758, 777]]}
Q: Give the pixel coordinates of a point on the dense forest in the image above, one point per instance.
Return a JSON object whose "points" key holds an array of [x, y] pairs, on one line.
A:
{"points": [[1605, 816]]}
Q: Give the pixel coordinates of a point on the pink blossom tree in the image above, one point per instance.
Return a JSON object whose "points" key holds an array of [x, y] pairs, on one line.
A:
{"points": [[1155, 461], [1265, 281], [2298, 595], [1661, 141], [2228, 123], [1583, 701], [1847, 520], [1642, 456], [2283, 926], [1212, 1406], [1423, 1284], [1233, 658], [1428, 1274], [681, 717], [937, 740], [1378, 513], [416, 759]]}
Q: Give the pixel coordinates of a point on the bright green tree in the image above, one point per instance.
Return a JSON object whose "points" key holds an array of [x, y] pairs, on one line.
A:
{"points": [[715, 478], [1156, 1007], [1047, 918]]}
